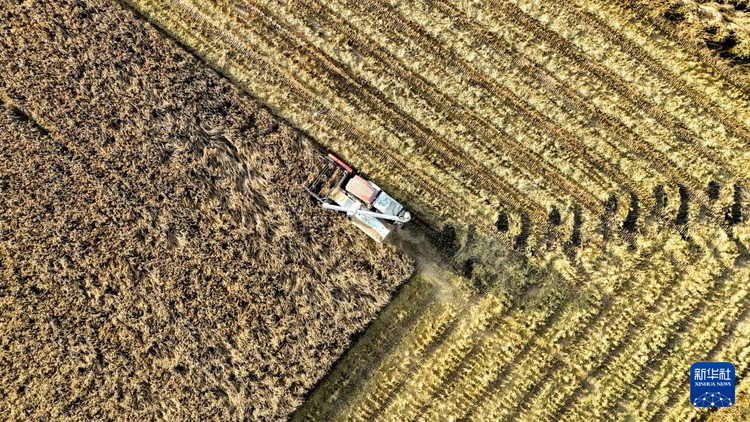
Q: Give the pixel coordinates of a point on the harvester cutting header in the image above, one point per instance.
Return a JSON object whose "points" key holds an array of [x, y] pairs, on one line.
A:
{"points": [[340, 188]]}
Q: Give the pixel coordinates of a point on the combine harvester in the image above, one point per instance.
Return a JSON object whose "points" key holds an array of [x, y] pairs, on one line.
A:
{"points": [[338, 187]]}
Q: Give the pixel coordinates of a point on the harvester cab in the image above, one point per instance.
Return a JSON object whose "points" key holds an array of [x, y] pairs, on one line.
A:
{"points": [[340, 188]]}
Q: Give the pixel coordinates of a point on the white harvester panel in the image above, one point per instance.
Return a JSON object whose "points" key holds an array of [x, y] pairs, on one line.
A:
{"points": [[387, 205], [374, 228]]}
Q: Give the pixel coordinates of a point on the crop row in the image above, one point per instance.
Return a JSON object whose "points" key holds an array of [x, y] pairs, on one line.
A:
{"points": [[411, 306], [623, 52], [628, 99], [709, 76], [705, 333], [571, 368], [605, 338], [616, 130], [529, 81], [346, 93], [456, 368], [681, 176], [582, 317], [656, 327], [372, 109], [566, 150], [536, 67], [354, 94], [426, 332], [474, 319], [474, 91], [518, 383], [381, 71], [689, 49]]}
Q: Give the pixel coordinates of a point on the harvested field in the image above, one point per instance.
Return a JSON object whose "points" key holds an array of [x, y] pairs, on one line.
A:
{"points": [[721, 28], [158, 256], [605, 150], [542, 342]]}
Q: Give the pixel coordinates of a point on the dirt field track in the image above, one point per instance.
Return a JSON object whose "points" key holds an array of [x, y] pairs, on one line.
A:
{"points": [[158, 256], [584, 135]]}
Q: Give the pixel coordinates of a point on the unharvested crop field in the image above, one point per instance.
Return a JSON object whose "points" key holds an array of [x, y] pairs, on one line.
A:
{"points": [[608, 152], [158, 256]]}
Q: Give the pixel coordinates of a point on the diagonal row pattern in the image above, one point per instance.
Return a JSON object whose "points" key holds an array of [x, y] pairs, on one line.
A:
{"points": [[467, 109]]}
